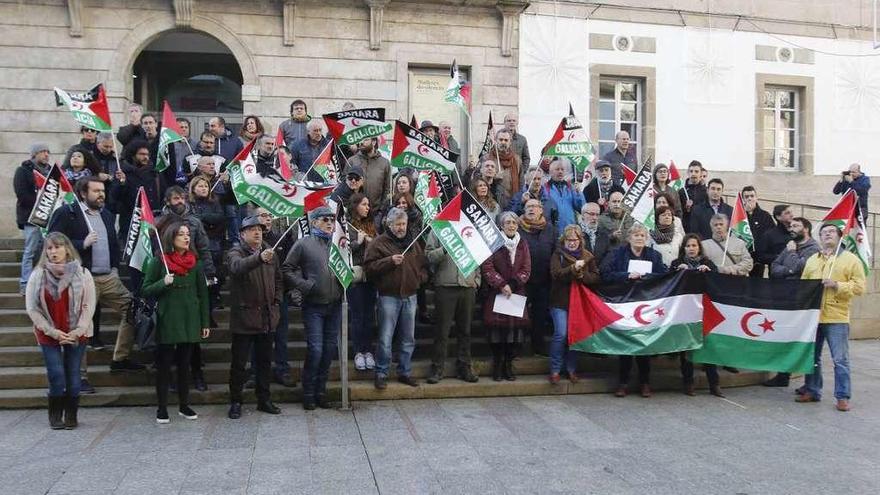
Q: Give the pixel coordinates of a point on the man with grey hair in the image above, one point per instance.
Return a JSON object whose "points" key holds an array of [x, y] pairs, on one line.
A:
{"points": [[729, 253], [853, 178], [105, 153], [25, 196], [517, 141], [620, 156], [304, 151], [596, 240], [568, 199], [396, 264]]}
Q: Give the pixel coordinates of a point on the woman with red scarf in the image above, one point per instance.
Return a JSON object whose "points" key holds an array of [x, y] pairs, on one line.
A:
{"points": [[177, 282]]}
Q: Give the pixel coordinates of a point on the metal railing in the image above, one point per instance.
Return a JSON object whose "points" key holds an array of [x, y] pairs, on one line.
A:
{"points": [[815, 213]]}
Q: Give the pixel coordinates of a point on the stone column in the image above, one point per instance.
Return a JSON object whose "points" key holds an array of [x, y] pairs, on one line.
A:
{"points": [[74, 9], [510, 11], [288, 18], [377, 12]]}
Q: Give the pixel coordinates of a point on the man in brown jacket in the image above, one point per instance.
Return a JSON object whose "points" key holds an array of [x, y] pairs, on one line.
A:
{"points": [[376, 171], [256, 289], [397, 276]]}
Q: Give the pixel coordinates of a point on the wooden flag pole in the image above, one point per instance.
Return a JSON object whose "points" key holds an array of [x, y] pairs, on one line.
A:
{"points": [[726, 242], [416, 238]]}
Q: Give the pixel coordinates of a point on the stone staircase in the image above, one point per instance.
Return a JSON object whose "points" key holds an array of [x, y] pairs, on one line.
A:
{"points": [[23, 377]]}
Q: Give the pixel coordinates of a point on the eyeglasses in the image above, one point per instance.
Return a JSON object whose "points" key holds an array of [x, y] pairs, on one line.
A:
{"points": [[90, 131], [326, 219], [354, 177], [265, 215]]}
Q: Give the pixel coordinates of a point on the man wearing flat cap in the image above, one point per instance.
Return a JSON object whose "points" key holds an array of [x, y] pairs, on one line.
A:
{"points": [[601, 187], [256, 289]]}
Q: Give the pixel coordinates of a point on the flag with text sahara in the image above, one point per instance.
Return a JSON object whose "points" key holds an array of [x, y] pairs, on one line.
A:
{"points": [[467, 232], [353, 126], [652, 316], [413, 149], [138, 246], [54, 191], [639, 196], [571, 140], [89, 109], [760, 324], [270, 191]]}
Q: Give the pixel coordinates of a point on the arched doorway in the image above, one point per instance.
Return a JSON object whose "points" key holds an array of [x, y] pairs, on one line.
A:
{"points": [[196, 73]]}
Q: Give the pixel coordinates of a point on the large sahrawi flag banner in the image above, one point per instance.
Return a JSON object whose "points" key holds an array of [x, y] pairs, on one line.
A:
{"points": [[653, 316], [412, 149], [89, 109], [760, 324], [571, 140], [270, 191], [353, 126], [467, 232]]}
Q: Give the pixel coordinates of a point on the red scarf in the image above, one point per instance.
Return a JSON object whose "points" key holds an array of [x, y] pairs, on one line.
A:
{"points": [[180, 264]]}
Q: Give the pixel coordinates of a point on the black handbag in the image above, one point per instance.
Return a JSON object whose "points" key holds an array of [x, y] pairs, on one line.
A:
{"points": [[145, 323]]}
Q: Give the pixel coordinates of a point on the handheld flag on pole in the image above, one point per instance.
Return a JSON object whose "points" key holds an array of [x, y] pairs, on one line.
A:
{"points": [[279, 138], [169, 133], [413, 122], [845, 215], [639, 198], [339, 256], [676, 181], [353, 126], [489, 142], [138, 246], [467, 232], [328, 163], [739, 223], [89, 109], [412, 149], [427, 196], [570, 140], [55, 191], [458, 92]]}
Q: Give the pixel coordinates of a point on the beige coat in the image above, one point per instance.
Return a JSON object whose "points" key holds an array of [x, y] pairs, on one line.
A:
{"points": [[738, 260], [35, 304]]}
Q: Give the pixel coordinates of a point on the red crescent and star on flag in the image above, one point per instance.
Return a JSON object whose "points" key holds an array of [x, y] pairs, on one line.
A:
{"points": [[765, 326], [639, 314]]}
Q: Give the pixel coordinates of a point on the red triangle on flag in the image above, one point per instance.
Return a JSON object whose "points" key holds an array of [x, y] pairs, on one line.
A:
{"points": [[279, 138], [100, 107], [452, 211], [739, 212], [284, 166], [629, 175], [39, 179], [316, 199], [711, 316], [146, 211], [334, 127], [433, 188], [245, 152], [587, 314], [673, 172], [168, 119], [400, 141], [844, 212]]}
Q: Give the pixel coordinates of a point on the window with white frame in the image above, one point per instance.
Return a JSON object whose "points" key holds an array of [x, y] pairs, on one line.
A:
{"points": [[780, 113], [620, 109]]}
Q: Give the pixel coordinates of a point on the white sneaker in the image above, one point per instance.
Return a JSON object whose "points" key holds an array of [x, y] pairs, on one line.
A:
{"points": [[371, 363], [359, 362]]}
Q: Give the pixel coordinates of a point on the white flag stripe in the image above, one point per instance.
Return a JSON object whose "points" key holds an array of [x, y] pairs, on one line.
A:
{"points": [[787, 325], [475, 243], [684, 308]]}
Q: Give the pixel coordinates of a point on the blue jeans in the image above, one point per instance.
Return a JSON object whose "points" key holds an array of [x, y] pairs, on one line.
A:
{"points": [[396, 315], [837, 335], [322, 323], [361, 315], [62, 368], [32, 237], [559, 353], [233, 222]]}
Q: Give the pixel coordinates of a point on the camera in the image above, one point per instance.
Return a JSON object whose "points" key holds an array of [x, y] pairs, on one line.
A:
{"points": [[845, 173]]}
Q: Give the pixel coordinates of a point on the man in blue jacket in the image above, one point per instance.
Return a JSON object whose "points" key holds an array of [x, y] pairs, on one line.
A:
{"points": [[568, 200], [855, 179]]}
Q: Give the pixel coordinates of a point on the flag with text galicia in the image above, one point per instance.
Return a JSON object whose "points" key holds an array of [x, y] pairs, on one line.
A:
{"points": [[270, 190], [413, 149], [89, 109], [138, 246], [467, 232], [169, 133], [489, 142], [427, 196], [329, 162], [458, 91], [385, 145], [55, 191], [845, 214], [353, 126], [739, 223], [339, 256], [639, 198], [676, 181], [746, 324], [571, 140], [653, 316]]}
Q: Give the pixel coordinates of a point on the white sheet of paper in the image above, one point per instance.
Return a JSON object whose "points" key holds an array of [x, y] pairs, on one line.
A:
{"points": [[515, 305], [641, 267]]}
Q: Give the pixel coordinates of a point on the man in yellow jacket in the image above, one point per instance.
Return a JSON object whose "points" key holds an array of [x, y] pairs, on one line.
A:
{"points": [[844, 278]]}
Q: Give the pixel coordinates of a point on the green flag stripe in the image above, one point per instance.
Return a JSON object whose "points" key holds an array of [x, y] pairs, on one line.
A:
{"points": [[644, 342], [725, 350]]}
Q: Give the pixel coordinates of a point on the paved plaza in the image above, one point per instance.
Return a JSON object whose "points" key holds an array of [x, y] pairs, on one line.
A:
{"points": [[757, 441]]}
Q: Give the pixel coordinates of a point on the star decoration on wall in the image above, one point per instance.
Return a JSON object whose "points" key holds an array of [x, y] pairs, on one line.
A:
{"points": [[553, 61], [708, 70], [857, 95]]}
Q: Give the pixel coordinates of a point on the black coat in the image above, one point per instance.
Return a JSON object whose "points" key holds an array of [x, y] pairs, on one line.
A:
{"points": [[760, 222], [26, 190], [69, 220], [697, 193], [123, 196], [592, 195], [702, 214], [600, 248], [772, 243], [541, 244]]}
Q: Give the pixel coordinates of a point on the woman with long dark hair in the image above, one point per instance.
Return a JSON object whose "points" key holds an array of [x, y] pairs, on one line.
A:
{"points": [[60, 300], [362, 292], [177, 282]]}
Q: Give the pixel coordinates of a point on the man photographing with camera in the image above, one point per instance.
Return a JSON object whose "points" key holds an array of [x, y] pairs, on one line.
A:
{"points": [[855, 179]]}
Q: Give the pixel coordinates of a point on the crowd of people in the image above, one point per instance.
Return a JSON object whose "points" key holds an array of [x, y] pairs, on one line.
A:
{"points": [[556, 231]]}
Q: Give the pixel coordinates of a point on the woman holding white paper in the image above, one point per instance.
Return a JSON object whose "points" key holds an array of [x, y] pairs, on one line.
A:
{"points": [[634, 261], [505, 273], [571, 264]]}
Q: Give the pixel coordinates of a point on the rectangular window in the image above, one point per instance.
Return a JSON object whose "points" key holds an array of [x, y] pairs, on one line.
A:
{"points": [[426, 90], [620, 109], [780, 112]]}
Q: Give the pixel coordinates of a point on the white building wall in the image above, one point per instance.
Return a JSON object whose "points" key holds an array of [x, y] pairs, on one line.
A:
{"points": [[710, 119]]}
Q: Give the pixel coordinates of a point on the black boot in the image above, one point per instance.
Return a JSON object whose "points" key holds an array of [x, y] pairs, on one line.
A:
{"points": [[508, 364], [199, 381], [56, 410], [497, 362], [71, 407], [780, 380]]}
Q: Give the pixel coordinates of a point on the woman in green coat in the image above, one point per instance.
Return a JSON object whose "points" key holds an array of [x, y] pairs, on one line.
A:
{"points": [[177, 282]]}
